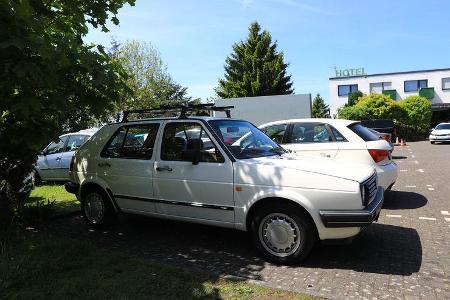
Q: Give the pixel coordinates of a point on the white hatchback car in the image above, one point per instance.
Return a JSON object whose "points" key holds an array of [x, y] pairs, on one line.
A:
{"points": [[441, 133], [343, 140], [193, 169]]}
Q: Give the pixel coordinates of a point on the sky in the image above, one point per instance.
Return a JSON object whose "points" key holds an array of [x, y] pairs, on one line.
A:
{"points": [[194, 37]]}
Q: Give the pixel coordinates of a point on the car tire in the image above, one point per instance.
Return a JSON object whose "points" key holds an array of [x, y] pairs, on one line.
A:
{"points": [[36, 179], [97, 209], [432, 143], [271, 228]]}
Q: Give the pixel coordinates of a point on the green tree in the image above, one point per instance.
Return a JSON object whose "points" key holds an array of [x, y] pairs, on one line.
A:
{"points": [[319, 108], [353, 98], [48, 76], [255, 68], [416, 120], [148, 78], [373, 106]]}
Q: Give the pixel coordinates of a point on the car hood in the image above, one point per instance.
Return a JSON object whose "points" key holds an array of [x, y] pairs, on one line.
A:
{"points": [[317, 165], [441, 131]]}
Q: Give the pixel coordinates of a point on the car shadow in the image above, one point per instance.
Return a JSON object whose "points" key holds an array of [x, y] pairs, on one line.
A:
{"points": [[403, 200], [383, 249], [399, 157]]}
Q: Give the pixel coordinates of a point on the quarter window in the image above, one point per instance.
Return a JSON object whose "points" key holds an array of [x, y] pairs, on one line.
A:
{"points": [[181, 141], [133, 142], [337, 135], [446, 83], [309, 133], [344, 90], [415, 85], [275, 132], [379, 87], [57, 146]]}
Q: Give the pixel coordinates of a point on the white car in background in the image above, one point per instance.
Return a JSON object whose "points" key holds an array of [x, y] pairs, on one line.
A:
{"points": [[53, 162], [441, 133], [342, 140]]}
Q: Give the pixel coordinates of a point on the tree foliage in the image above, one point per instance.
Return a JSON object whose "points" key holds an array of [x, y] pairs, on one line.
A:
{"points": [[319, 108], [255, 68], [48, 76], [417, 116], [354, 97], [373, 106], [148, 79]]}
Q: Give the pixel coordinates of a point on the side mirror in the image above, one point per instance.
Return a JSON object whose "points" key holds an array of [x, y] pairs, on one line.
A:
{"points": [[42, 153]]}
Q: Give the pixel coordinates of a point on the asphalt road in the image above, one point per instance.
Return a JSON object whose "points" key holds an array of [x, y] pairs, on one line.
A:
{"points": [[405, 255]]}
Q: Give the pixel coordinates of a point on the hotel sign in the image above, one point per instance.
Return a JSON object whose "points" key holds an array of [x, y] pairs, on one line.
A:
{"points": [[349, 72]]}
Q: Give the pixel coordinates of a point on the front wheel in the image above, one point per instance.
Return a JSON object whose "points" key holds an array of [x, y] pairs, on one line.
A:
{"points": [[284, 235], [97, 209], [432, 143]]}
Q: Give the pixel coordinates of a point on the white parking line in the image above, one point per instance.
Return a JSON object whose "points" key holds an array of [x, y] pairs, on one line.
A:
{"points": [[426, 218], [416, 162], [429, 185], [413, 156], [420, 170], [431, 189], [445, 212], [447, 219], [410, 186], [403, 170], [393, 216]]}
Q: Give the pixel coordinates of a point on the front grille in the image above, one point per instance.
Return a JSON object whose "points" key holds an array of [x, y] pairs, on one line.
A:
{"points": [[371, 188]]}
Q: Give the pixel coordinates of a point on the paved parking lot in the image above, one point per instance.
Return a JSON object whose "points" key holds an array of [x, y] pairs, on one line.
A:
{"points": [[405, 255]]}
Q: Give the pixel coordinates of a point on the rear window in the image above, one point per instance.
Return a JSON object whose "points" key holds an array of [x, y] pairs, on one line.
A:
{"points": [[378, 123], [363, 132]]}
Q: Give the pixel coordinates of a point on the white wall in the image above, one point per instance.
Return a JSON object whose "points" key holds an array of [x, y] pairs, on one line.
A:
{"points": [[260, 110], [397, 80]]}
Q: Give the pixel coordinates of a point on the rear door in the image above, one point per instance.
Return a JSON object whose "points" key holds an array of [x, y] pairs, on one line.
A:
{"points": [[311, 139], [126, 164]]}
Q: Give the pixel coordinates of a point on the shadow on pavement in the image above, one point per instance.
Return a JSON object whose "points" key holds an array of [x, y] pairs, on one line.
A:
{"points": [[403, 200], [383, 249], [399, 157]]}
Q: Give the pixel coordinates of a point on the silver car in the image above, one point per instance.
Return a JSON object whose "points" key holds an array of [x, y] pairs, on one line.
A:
{"points": [[53, 162]]}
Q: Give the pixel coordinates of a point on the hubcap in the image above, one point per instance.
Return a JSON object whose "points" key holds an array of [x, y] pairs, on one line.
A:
{"points": [[93, 207], [279, 234]]}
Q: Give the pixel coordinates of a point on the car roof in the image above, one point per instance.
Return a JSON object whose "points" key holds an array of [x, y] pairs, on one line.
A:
{"points": [[89, 132], [196, 118], [334, 122]]}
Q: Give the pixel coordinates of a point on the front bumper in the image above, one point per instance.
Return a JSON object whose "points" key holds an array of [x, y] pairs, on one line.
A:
{"points": [[72, 187], [439, 138], [354, 218]]}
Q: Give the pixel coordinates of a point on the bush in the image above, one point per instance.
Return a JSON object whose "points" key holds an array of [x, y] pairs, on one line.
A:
{"points": [[416, 119], [373, 106]]}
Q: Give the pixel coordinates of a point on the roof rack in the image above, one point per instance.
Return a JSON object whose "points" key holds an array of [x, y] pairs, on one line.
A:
{"points": [[183, 108]]}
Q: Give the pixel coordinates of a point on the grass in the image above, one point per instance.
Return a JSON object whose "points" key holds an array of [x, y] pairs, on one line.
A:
{"points": [[36, 266], [60, 200]]}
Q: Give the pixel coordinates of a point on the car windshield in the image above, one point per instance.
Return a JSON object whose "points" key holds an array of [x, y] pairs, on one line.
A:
{"points": [[443, 126], [245, 140]]}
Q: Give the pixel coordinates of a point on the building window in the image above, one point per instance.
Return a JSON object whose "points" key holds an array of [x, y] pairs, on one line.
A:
{"points": [[344, 90], [379, 87], [415, 85], [446, 83]]}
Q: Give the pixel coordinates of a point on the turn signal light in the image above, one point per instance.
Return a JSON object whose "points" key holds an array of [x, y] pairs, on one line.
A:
{"points": [[378, 155]]}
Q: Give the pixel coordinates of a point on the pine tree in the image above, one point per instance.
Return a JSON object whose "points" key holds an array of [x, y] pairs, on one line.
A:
{"points": [[319, 107], [255, 68]]}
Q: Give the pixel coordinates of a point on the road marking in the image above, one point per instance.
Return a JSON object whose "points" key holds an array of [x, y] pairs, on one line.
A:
{"points": [[429, 185], [416, 162], [413, 156], [447, 219], [393, 216], [431, 189], [420, 170], [411, 186], [403, 170], [445, 212], [426, 218]]}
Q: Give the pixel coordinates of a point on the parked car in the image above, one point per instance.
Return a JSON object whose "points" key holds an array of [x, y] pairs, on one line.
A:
{"points": [[343, 140], [186, 170], [383, 126], [384, 136], [441, 133], [53, 162]]}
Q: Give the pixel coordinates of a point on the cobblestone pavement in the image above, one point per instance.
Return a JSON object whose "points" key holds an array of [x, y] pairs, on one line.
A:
{"points": [[405, 255]]}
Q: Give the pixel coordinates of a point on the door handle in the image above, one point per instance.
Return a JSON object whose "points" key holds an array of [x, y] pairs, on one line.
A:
{"points": [[164, 168], [104, 164], [58, 158]]}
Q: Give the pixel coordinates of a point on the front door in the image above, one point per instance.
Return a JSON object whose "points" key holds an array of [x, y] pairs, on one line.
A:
{"points": [[49, 164], [126, 164], [203, 190]]}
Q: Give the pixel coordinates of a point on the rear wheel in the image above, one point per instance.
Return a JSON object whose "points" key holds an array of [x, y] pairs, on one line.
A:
{"points": [[432, 143], [97, 209], [284, 235]]}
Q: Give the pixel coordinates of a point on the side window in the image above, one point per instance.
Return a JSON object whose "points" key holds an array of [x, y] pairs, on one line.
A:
{"points": [[75, 142], [132, 142], [181, 140], [57, 146], [309, 133], [337, 135], [276, 132]]}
